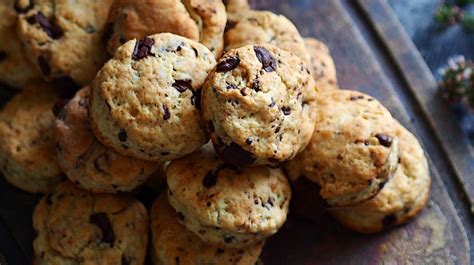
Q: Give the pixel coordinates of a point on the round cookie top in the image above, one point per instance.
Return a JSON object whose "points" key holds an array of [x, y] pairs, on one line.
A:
{"points": [[322, 65], [64, 38], [74, 226], [257, 27], [27, 156], [198, 20], [224, 205], [400, 199], [258, 105], [89, 163], [146, 100], [15, 69], [173, 243], [353, 151]]}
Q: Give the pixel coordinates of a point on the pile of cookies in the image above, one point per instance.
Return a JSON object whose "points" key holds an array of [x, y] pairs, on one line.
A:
{"points": [[221, 105]]}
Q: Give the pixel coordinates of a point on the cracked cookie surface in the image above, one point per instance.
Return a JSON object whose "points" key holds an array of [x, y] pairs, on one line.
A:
{"points": [[257, 27], [173, 243], [76, 227], [145, 101], [224, 205], [353, 151], [86, 161], [400, 199], [63, 39], [199, 20], [27, 156], [258, 105]]}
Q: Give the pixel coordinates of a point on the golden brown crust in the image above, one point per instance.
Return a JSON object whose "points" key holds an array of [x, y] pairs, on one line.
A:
{"points": [[86, 161], [224, 205], [353, 149], [401, 198], [322, 65], [172, 241], [27, 154], [78, 227], [198, 20]]}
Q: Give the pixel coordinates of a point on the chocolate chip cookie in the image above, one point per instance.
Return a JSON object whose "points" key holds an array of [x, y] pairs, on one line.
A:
{"points": [[353, 151], [198, 20], [224, 205], [86, 161], [400, 199], [74, 226], [257, 27], [258, 105], [27, 155], [146, 100], [174, 244], [15, 69], [322, 65], [64, 38]]}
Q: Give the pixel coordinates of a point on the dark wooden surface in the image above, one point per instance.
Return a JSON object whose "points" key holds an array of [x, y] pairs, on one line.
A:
{"points": [[437, 236]]}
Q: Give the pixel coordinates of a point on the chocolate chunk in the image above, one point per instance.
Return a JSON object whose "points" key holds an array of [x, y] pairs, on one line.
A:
{"points": [[176, 260], [210, 179], [354, 98], [180, 216], [389, 220], [228, 64], [84, 102], [65, 86], [195, 52], [385, 140], [182, 85], [256, 85], [143, 48], [229, 239], [219, 251], [286, 110], [196, 99], [231, 86], [381, 185], [52, 29], [230, 25], [166, 113], [234, 154], [270, 201], [248, 141], [102, 221], [125, 260], [3, 55], [122, 135], [20, 9], [272, 104], [59, 106], [102, 162], [269, 63], [108, 32], [44, 65], [209, 127]]}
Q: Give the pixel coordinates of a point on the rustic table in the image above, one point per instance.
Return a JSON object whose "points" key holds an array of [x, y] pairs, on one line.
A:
{"points": [[374, 54]]}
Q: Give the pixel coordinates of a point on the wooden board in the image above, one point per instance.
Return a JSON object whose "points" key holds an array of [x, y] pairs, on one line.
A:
{"points": [[310, 236]]}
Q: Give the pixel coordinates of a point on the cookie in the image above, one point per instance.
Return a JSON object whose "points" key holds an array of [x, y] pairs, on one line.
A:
{"points": [[146, 100], [86, 161], [224, 205], [322, 65], [258, 105], [258, 27], [15, 69], [27, 155], [400, 199], [173, 244], [234, 8], [199, 20], [353, 151], [63, 39], [74, 226]]}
